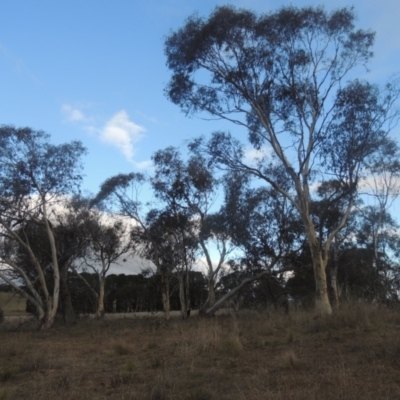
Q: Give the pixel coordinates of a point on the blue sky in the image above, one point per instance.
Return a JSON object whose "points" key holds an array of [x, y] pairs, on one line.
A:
{"points": [[94, 70]]}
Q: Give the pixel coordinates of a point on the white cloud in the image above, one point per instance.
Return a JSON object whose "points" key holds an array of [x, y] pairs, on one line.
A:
{"points": [[73, 114], [252, 155], [147, 164], [122, 133]]}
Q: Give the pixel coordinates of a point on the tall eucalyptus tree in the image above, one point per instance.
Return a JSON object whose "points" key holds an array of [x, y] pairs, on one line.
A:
{"points": [[282, 77]]}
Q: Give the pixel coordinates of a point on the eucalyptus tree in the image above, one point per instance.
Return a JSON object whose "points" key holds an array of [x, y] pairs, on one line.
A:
{"points": [[149, 233], [382, 186], [168, 243], [108, 242], [282, 77], [34, 177], [190, 188]]}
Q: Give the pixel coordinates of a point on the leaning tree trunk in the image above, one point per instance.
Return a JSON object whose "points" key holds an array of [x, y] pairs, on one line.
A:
{"points": [[65, 296]]}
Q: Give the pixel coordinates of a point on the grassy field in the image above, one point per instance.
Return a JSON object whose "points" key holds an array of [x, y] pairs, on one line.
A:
{"points": [[12, 304], [254, 356]]}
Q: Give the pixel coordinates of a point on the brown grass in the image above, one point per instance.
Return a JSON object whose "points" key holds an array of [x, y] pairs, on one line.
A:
{"points": [[353, 355]]}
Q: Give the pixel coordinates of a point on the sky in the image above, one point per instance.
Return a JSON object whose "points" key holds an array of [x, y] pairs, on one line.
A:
{"points": [[95, 71]]}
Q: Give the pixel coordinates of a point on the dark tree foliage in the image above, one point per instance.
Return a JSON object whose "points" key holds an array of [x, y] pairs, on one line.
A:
{"points": [[261, 223], [116, 194]]}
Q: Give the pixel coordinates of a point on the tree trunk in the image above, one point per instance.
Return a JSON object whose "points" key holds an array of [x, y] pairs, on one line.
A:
{"points": [[165, 296], [211, 294], [319, 260], [65, 297], [182, 295], [100, 300], [46, 322], [187, 292], [52, 301], [334, 273], [322, 303]]}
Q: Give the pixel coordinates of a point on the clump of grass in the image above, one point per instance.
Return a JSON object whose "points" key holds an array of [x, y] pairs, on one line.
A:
{"points": [[121, 349], [5, 395], [120, 379], [159, 390], [290, 360], [151, 345], [200, 394], [208, 336], [231, 345], [6, 375], [290, 338], [34, 364], [61, 383]]}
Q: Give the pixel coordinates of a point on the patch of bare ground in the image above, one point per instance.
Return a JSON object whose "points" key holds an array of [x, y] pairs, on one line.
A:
{"points": [[354, 354]]}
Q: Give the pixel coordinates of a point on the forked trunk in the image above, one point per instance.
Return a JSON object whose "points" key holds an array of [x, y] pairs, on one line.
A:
{"points": [[46, 322]]}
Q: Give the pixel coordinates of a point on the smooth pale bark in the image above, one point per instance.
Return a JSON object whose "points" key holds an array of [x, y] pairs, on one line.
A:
{"points": [[319, 260], [212, 274], [47, 311], [52, 302]]}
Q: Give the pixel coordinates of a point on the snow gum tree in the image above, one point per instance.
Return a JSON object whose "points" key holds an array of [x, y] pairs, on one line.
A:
{"points": [[34, 176], [286, 78]]}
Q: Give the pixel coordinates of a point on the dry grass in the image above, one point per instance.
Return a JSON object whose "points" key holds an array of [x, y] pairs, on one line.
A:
{"points": [[353, 355]]}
